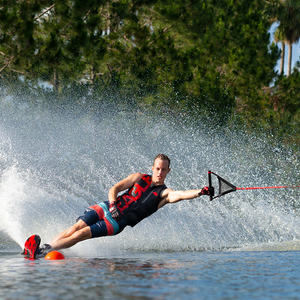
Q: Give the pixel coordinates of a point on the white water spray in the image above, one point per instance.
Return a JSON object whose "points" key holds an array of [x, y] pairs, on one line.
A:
{"points": [[53, 165]]}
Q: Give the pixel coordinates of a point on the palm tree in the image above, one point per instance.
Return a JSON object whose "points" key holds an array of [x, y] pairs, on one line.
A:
{"points": [[287, 13], [279, 37]]}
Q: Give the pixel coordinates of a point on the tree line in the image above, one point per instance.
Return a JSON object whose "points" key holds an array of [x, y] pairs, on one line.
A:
{"points": [[209, 58]]}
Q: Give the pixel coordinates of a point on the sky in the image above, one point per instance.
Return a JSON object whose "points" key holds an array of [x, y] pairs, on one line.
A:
{"points": [[295, 51]]}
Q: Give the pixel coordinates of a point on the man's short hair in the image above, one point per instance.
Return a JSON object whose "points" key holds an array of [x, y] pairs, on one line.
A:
{"points": [[162, 157]]}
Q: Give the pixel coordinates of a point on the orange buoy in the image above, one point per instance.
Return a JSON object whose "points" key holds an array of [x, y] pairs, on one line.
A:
{"points": [[54, 255]]}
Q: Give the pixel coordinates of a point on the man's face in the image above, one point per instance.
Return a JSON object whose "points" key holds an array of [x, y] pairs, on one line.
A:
{"points": [[160, 170]]}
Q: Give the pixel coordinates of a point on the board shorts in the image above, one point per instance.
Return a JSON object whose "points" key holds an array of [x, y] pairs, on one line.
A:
{"points": [[100, 220]]}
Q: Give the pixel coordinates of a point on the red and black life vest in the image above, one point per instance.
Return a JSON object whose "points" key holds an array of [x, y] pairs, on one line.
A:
{"points": [[140, 201]]}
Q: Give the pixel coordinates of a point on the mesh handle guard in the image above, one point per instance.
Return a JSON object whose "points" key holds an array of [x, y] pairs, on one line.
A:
{"points": [[225, 187]]}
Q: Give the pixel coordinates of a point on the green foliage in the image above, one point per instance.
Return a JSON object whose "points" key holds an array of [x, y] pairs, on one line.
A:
{"points": [[208, 57], [286, 102]]}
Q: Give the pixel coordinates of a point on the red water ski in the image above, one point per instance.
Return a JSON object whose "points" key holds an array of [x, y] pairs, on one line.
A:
{"points": [[31, 246]]}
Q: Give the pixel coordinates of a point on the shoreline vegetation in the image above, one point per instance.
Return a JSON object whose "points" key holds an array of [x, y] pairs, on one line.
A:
{"points": [[210, 60]]}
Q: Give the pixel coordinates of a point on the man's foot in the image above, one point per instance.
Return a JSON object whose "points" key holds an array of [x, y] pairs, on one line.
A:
{"points": [[43, 251]]}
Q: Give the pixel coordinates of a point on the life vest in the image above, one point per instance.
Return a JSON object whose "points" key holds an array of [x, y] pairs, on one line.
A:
{"points": [[140, 201]]}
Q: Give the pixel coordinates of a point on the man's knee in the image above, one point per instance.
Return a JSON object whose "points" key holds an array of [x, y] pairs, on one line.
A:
{"points": [[82, 234], [80, 224], [76, 227]]}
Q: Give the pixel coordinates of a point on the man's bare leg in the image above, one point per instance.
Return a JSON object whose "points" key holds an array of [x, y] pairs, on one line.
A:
{"points": [[68, 238], [67, 233]]}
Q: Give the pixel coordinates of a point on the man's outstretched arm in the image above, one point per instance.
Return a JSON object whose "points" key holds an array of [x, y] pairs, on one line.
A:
{"points": [[176, 196]]}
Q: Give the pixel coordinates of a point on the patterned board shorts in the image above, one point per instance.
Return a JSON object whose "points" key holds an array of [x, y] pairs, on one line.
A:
{"points": [[100, 220]]}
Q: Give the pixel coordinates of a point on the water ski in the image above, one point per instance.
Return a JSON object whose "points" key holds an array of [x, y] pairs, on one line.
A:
{"points": [[31, 246], [32, 250]]}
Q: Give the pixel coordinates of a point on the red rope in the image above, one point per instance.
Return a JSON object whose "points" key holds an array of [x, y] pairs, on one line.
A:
{"points": [[268, 187]]}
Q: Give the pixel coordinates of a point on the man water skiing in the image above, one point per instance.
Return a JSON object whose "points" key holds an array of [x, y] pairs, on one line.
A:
{"points": [[145, 195]]}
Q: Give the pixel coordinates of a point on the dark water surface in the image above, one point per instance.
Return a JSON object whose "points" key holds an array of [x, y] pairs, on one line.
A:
{"points": [[178, 275]]}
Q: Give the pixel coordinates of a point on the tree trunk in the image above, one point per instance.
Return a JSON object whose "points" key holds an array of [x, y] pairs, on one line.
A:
{"points": [[93, 75], [55, 80], [289, 60], [282, 58]]}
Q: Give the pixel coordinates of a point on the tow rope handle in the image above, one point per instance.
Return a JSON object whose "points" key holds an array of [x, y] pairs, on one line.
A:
{"points": [[211, 189], [226, 187]]}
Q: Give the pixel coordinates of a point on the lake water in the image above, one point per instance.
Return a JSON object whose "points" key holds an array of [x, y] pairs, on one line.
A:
{"points": [[53, 164], [154, 275]]}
